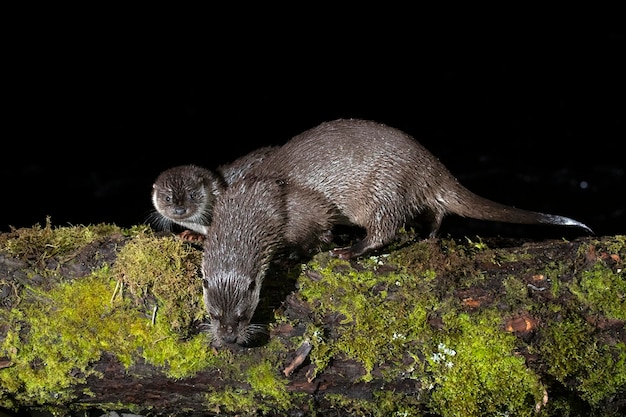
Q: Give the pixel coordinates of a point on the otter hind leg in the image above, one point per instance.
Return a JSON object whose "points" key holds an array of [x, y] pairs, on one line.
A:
{"points": [[383, 232], [427, 222]]}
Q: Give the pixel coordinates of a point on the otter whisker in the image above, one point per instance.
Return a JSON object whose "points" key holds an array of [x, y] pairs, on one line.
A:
{"points": [[159, 222], [252, 331], [254, 220]]}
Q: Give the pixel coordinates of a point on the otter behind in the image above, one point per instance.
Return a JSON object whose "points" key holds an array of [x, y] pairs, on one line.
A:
{"points": [[381, 178]]}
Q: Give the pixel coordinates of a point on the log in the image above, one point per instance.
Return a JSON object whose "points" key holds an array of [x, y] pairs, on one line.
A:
{"points": [[102, 318]]}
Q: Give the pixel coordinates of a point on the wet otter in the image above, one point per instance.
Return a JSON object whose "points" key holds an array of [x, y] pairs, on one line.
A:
{"points": [[185, 194], [255, 220], [381, 178]]}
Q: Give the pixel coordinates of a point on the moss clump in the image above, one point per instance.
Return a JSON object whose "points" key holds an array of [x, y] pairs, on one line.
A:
{"points": [[376, 319], [260, 389], [573, 356], [384, 316], [57, 328], [232, 401], [384, 404], [52, 341], [41, 244], [163, 273], [602, 290], [515, 293], [470, 364], [266, 382]]}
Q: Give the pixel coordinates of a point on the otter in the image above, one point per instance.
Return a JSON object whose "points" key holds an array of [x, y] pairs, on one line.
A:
{"points": [[381, 178], [185, 194], [254, 221]]}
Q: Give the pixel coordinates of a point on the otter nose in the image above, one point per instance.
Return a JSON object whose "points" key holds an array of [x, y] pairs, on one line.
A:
{"points": [[229, 336], [180, 211]]}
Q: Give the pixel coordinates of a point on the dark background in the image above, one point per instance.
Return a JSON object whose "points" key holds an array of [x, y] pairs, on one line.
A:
{"points": [[527, 116]]}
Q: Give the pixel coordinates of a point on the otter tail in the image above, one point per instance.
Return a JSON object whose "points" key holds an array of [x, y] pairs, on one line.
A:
{"points": [[464, 203]]}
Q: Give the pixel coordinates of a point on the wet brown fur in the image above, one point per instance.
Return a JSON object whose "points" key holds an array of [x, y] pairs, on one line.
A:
{"points": [[381, 178], [254, 220], [185, 194]]}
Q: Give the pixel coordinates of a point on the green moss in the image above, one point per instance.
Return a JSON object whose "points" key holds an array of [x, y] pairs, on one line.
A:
{"points": [[573, 356], [376, 319], [149, 300], [618, 245], [261, 388], [469, 365], [64, 334], [233, 401], [602, 290], [322, 350], [163, 273], [570, 345], [383, 317], [477, 246], [384, 404], [516, 291], [52, 342], [56, 330], [44, 243], [265, 380], [553, 272]]}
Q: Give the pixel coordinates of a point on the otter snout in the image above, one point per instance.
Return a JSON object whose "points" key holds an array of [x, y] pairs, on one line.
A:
{"points": [[228, 335], [180, 211]]}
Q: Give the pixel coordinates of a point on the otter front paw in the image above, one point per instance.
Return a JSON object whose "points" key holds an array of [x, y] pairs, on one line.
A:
{"points": [[342, 253], [191, 236]]}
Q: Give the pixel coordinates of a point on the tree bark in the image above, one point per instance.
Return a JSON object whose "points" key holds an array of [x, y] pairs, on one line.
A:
{"points": [[438, 327]]}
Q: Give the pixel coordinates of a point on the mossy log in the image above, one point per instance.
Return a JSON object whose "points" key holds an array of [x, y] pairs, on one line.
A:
{"points": [[99, 317]]}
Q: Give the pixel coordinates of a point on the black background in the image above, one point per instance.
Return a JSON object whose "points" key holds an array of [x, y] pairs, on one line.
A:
{"points": [[528, 116]]}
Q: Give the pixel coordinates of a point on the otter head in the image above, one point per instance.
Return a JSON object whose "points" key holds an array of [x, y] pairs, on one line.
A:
{"points": [[185, 194], [230, 299]]}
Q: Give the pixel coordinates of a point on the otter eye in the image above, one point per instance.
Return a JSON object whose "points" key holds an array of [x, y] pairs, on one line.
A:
{"points": [[215, 315], [168, 199]]}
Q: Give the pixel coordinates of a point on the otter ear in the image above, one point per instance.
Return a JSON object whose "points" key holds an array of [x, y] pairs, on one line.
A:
{"points": [[252, 286]]}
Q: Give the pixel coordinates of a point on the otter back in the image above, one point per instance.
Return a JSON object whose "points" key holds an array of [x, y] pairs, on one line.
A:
{"points": [[380, 178]]}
